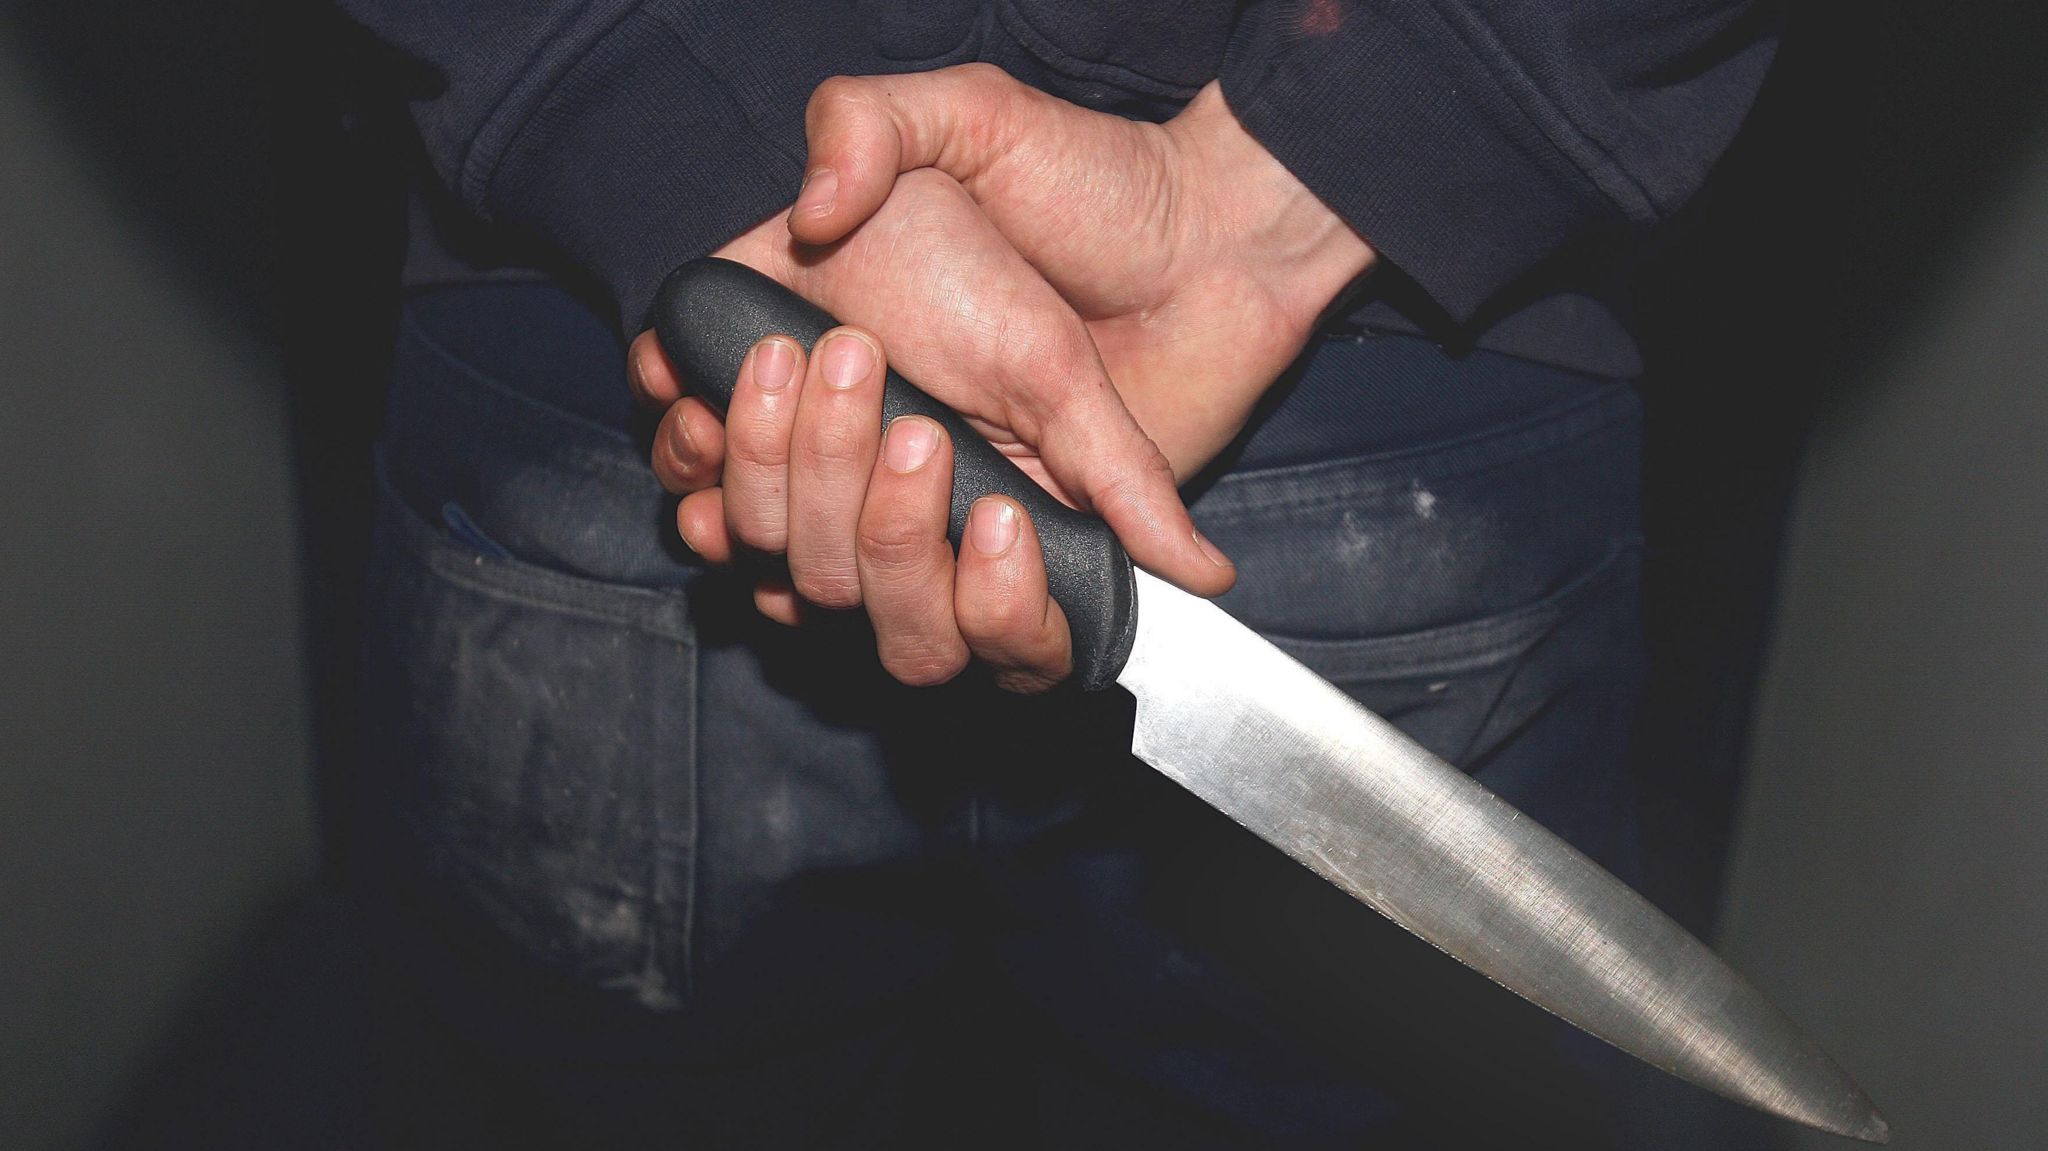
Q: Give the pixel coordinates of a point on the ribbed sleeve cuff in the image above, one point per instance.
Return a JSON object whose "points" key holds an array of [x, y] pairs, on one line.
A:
{"points": [[1409, 136], [638, 161]]}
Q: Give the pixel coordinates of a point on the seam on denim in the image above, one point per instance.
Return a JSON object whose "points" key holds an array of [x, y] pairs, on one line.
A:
{"points": [[696, 823], [1544, 430], [1474, 645], [517, 581], [650, 987], [1297, 495], [463, 572], [1346, 488], [1515, 667], [1355, 329], [663, 945]]}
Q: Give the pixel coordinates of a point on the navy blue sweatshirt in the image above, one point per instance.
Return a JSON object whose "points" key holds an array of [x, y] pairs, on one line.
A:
{"points": [[1503, 156]]}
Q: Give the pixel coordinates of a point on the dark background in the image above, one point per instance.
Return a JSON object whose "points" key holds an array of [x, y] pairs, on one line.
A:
{"points": [[1848, 493]]}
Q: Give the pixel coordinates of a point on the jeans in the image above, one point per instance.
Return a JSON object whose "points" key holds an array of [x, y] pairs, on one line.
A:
{"points": [[648, 870]]}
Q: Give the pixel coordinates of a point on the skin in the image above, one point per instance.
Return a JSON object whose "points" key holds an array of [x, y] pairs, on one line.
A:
{"points": [[1105, 300]]}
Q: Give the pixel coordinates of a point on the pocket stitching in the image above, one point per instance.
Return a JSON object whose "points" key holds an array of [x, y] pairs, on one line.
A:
{"points": [[1475, 644], [1548, 432], [518, 581]]}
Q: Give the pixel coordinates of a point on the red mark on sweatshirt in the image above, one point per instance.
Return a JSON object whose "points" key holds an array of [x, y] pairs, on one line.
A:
{"points": [[1322, 17]]}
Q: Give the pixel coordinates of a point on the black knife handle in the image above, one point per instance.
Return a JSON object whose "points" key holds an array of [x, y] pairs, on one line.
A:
{"points": [[710, 311]]}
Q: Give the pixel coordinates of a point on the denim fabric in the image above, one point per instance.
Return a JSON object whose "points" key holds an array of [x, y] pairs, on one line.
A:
{"points": [[660, 873]]}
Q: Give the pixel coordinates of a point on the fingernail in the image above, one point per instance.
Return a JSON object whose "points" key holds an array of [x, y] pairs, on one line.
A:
{"points": [[910, 442], [684, 445], [848, 359], [774, 365], [815, 198], [1215, 554], [992, 526], [638, 364]]}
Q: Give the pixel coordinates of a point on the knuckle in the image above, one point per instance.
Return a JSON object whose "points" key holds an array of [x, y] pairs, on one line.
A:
{"points": [[836, 88], [892, 549], [983, 72], [923, 662], [757, 520], [1026, 681], [837, 97], [831, 446], [1153, 470], [759, 534], [1000, 619], [994, 93], [1051, 365], [989, 85], [1067, 357], [1130, 485], [987, 105], [829, 584], [756, 442]]}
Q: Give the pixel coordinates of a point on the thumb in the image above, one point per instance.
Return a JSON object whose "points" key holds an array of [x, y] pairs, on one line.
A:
{"points": [[864, 131], [1094, 449]]}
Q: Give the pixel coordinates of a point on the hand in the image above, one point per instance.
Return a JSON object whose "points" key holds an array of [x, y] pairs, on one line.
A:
{"points": [[1198, 261], [861, 514], [962, 313]]}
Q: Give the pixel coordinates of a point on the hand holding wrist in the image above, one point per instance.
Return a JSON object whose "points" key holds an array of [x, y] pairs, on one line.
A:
{"points": [[1199, 263], [1105, 299]]}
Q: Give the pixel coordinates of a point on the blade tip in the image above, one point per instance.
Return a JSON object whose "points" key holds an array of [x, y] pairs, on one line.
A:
{"points": [[1875, 1129], [1862, 1124]]}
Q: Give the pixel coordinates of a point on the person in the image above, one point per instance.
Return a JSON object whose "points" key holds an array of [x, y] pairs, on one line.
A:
{"points": [[719, 802]]}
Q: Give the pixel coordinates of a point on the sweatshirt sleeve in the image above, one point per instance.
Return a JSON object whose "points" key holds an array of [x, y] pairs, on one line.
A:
{"points": [[631, 135], [1470, 140]]}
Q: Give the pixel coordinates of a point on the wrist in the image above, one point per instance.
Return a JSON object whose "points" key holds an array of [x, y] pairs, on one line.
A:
{"points": [[1259, 216]]}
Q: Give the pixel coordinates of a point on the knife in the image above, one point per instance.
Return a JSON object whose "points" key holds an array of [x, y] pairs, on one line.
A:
{"points": [[1275, 747]]}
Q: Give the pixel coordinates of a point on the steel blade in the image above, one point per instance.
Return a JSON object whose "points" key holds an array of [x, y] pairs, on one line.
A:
{"points": [[1275, 747]]}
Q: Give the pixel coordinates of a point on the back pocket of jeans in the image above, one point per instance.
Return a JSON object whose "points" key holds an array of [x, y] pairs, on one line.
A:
{"points": [[1466, 689], [529, 770], [1457, 588]]}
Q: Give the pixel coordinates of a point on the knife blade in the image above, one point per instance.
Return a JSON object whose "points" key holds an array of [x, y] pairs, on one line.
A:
{"points": [[1269, 743]]}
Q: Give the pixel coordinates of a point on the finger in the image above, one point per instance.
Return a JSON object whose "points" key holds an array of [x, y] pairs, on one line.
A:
{"points": [[831, 456], [1094, 449], [1000, 600], [906, 565], [1016, 355], [648, 372], [864, 131], [778, 601], [689, 447], [757, 428], [1123, 477], [700, 520]]}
